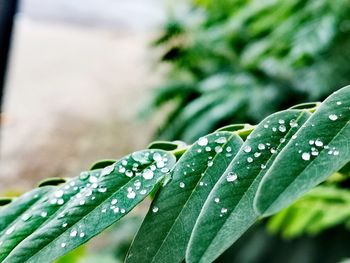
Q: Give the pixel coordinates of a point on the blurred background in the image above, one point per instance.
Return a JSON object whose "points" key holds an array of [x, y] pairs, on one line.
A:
{"points": [[96, 79]]}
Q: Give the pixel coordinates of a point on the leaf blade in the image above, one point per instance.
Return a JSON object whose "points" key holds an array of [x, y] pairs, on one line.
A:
{"points": [[328, 132], [104, 197], [165, 232]]}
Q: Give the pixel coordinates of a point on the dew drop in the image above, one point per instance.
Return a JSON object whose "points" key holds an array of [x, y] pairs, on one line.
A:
{"points": [[43, 214], [333, 117], [247, 149], [305, 156], [203, 141], [59, 193], [84, 175], [155, 209], [10, 230], [157, 157], [318, 143], [231, 177], [221, 140], [148, 174], [182, 184], [218, 149], [131, 195], [261, 146], [129, 173], [73, 233], [26, 216], [282, 128]]}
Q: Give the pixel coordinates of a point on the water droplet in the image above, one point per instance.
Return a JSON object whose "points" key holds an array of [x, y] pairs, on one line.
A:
{"points": [[221, 140], [148, 174], [93, 179], [282, 128], [107, 170], [305, 156], [203, 141], [333, 117], [43, 214], [249, 159], [216, 199], [318, 143], [82, 234], [257, 154], [160, 164], [10, 230], [131, 195], [231, 177], [182, 184], [261, 146], [155, 209], [223, 210], [157, 157], [73, 233], [218, 149], [102, 189], [114, 201], [129, 173], [26, 216], [247, 149], [84, 175], [63, 245]]}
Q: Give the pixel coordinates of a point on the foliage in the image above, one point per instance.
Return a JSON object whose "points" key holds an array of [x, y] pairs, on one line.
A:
{"points": [[239, 61], [322, 208], [209, 193]]}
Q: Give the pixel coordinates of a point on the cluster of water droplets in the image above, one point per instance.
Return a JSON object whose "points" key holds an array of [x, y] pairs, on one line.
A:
{"points": [[89, 185], [214, 147]]}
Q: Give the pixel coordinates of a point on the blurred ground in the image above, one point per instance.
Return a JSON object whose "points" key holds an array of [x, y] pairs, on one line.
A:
{"points": [[79, 70]]}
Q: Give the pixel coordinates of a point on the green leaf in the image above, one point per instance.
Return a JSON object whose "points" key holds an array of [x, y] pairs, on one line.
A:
{"points": [[319, 148], [52, 181], [228, 212], [66, 216], [166, 230], [17, 207], [166, 146], [102, 164], [322, 208]]}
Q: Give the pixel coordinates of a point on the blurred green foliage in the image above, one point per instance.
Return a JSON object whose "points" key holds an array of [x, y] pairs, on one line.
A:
{"points": [[234, 61]]}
